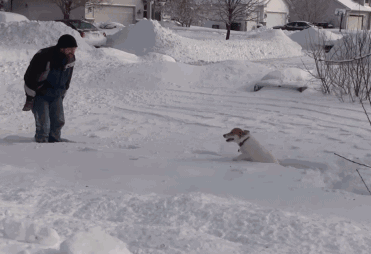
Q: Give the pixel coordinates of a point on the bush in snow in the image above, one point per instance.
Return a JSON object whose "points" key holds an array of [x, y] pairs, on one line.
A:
{"points": [[346, 69]]}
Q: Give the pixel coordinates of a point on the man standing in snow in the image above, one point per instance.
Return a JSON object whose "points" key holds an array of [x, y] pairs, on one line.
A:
{"points": [[47, 79]]}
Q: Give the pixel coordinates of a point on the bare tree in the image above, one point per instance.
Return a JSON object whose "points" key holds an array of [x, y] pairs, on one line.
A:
{"points": [[346, 69], [309, 10], [67, 6], [230, 11], [186, 12]]}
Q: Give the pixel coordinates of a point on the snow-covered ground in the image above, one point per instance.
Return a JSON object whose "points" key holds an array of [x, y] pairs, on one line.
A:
{"points": [[150, 171]]}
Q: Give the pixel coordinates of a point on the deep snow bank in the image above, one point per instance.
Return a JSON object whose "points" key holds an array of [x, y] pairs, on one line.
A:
{"points": [[11, 17], [23, 39], [149, 36], [289, 78], [312, 37], [354, 45]]}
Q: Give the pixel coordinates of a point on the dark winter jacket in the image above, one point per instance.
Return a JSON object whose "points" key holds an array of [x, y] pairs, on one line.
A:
{"points": [[49, 73]]}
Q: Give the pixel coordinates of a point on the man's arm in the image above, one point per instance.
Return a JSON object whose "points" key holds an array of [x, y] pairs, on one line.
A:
{"points": [[35, 69], [69, 80]]}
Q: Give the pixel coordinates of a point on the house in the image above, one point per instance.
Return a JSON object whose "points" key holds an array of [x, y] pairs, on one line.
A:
{"points": [[270, 13], [125, 12], [42, 10], [122, 11], [357, 14]]}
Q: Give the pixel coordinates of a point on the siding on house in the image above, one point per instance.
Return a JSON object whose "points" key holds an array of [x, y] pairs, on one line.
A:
{"points": [[122, 11], [350, 20], [277, 13]]}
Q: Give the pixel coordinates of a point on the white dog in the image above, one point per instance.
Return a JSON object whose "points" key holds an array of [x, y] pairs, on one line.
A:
{"points": [[250, 148]]}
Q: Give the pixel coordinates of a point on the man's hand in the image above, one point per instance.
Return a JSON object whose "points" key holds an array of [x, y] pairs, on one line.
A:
{"points": [[29, 103]]}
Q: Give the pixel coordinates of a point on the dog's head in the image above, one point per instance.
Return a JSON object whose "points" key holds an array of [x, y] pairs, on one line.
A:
{"points": [[236, 135]]}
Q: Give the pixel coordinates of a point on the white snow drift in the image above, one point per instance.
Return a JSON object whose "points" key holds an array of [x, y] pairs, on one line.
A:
{"points": [[311, 38], [150, 167], [148, 36]]}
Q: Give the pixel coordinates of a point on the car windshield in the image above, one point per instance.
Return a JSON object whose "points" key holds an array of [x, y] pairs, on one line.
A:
{"points": [[83, 25]]}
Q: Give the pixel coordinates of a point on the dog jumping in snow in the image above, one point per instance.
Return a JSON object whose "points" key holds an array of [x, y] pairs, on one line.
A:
{"points": [[250, 148]]}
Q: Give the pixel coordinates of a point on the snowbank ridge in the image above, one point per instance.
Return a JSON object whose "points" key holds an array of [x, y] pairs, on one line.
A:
{"points": [[36, 34], [149, 36]]}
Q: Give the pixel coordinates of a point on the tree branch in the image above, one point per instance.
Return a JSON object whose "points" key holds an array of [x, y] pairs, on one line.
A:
{"points": [[353, 161]]}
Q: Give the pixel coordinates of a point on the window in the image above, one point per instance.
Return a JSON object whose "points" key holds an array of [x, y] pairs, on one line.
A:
{"points": [[236, 26], [145, 10], [215, 26], [86, 25], [83, 25]]}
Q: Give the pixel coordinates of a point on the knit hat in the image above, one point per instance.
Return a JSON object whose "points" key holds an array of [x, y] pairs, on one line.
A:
{"points": [[66, 41]]}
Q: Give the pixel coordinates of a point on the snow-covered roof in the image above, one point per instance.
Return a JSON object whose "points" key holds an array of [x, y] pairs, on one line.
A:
{"points": [[354, 6], [9, 17]]}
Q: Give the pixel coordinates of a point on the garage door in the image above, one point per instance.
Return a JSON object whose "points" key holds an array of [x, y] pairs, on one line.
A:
{"points": [[275, 19], [355, 23], [121, 14]]}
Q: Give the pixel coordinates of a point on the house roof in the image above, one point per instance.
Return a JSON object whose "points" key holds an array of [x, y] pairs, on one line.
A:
{"points": [[353, 6]]}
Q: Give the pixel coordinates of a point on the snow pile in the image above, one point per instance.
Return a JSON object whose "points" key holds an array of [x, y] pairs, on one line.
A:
{"points": [[110, 28], [313, 37], [25, 231], [152, 56], [109, 25], [148, 35], [151, 169], [288, 77], [138, 39], [26, 38], [118, 55], [170, 24], [354, 45], [11, 17], [94, 241]]}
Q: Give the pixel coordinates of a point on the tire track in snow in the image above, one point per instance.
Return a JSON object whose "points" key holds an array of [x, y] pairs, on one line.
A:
{"points": [[227, 102], [275, 99], [165, 116]]}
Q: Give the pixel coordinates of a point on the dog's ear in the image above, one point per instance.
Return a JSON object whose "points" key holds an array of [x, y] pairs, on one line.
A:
{"points": [[246, 132]]}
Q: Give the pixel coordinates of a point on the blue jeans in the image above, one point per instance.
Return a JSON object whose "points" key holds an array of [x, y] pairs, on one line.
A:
{"points": [[49, 118]]}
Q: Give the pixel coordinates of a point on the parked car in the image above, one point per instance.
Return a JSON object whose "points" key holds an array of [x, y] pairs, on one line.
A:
{"points": [[324, 25], [110, 25], [295, 26], [279, 27], [92, 35]]}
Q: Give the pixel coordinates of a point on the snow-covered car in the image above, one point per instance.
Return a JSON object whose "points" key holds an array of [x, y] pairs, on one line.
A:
{"points": [[10, 17], [110, 25], [92, 35], [110, 28]]}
